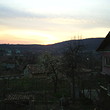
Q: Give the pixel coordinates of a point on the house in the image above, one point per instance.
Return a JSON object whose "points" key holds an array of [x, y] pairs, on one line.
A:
{"points": [[104, 95], [104, 49], [9, 52], [35, 71]]}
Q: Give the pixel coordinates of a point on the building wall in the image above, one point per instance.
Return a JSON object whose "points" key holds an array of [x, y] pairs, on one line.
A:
{"points": [[106, 63], [27, 73]]}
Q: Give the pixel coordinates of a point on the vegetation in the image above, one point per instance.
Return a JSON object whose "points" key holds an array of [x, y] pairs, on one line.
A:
{"points": [[67, 75]]}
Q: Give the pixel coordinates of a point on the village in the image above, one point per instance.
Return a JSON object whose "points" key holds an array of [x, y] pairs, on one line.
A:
{"points": [[73, 80]]}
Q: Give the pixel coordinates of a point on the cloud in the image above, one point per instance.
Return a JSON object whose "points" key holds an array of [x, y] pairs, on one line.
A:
{"points": [[87, 19], [64, 24], [7, 12]]}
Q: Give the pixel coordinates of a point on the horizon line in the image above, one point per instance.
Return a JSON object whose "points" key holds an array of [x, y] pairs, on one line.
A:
{"points": [[43, 44]]}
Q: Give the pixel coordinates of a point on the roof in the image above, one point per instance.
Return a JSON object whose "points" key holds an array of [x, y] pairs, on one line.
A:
{"points": [[35, 69], [15, 97], [104, 43]]}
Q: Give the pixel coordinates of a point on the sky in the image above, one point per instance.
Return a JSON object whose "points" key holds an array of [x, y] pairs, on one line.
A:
{"points": [[52, 21]]}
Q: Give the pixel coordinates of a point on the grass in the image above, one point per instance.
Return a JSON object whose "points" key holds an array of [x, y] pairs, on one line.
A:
{"points": [[33, 85], [43, 90]]}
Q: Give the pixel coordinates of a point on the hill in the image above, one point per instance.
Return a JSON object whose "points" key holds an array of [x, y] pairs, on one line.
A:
{"points": [[89, 44]]}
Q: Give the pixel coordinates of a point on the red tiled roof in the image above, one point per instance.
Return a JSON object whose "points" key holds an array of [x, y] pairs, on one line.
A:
{"points": [[35, 69]]}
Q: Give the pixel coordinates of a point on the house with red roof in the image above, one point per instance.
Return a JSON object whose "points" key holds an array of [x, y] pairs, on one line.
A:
{"points": [[35, 71], [104, 49]]}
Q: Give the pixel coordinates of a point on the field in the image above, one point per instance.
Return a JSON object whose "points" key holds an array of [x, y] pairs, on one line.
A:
{"points": [[41, 89]]}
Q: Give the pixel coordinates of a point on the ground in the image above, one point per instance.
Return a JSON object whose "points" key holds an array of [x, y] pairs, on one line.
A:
{"points": [[44, 96]]}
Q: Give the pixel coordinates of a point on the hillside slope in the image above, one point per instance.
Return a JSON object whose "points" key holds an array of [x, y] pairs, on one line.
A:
{"points": [[90, 45]]}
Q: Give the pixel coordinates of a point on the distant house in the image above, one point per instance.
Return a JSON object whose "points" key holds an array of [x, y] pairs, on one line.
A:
{"points": [[2, 52], [9, 66], [8, 62], [104, 48], [35, 71], [8, 52], [18, 51]]}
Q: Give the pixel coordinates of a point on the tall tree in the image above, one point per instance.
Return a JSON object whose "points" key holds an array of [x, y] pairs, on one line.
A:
{"points": [[51, 64], [70, 64]]}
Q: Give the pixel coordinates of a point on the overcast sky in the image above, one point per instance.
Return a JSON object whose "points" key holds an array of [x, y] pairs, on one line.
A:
{"points": [[51, 21]]}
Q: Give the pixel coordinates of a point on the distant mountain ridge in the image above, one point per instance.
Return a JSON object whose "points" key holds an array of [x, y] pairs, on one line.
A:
{"points": [[91, 44]]}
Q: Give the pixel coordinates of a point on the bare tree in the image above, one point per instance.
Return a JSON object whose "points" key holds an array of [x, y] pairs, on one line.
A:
{"points": [[51, 64], [70, 64]]}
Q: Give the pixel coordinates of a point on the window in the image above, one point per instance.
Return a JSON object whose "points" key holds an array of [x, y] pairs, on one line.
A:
{"points": [[107, 60]]}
